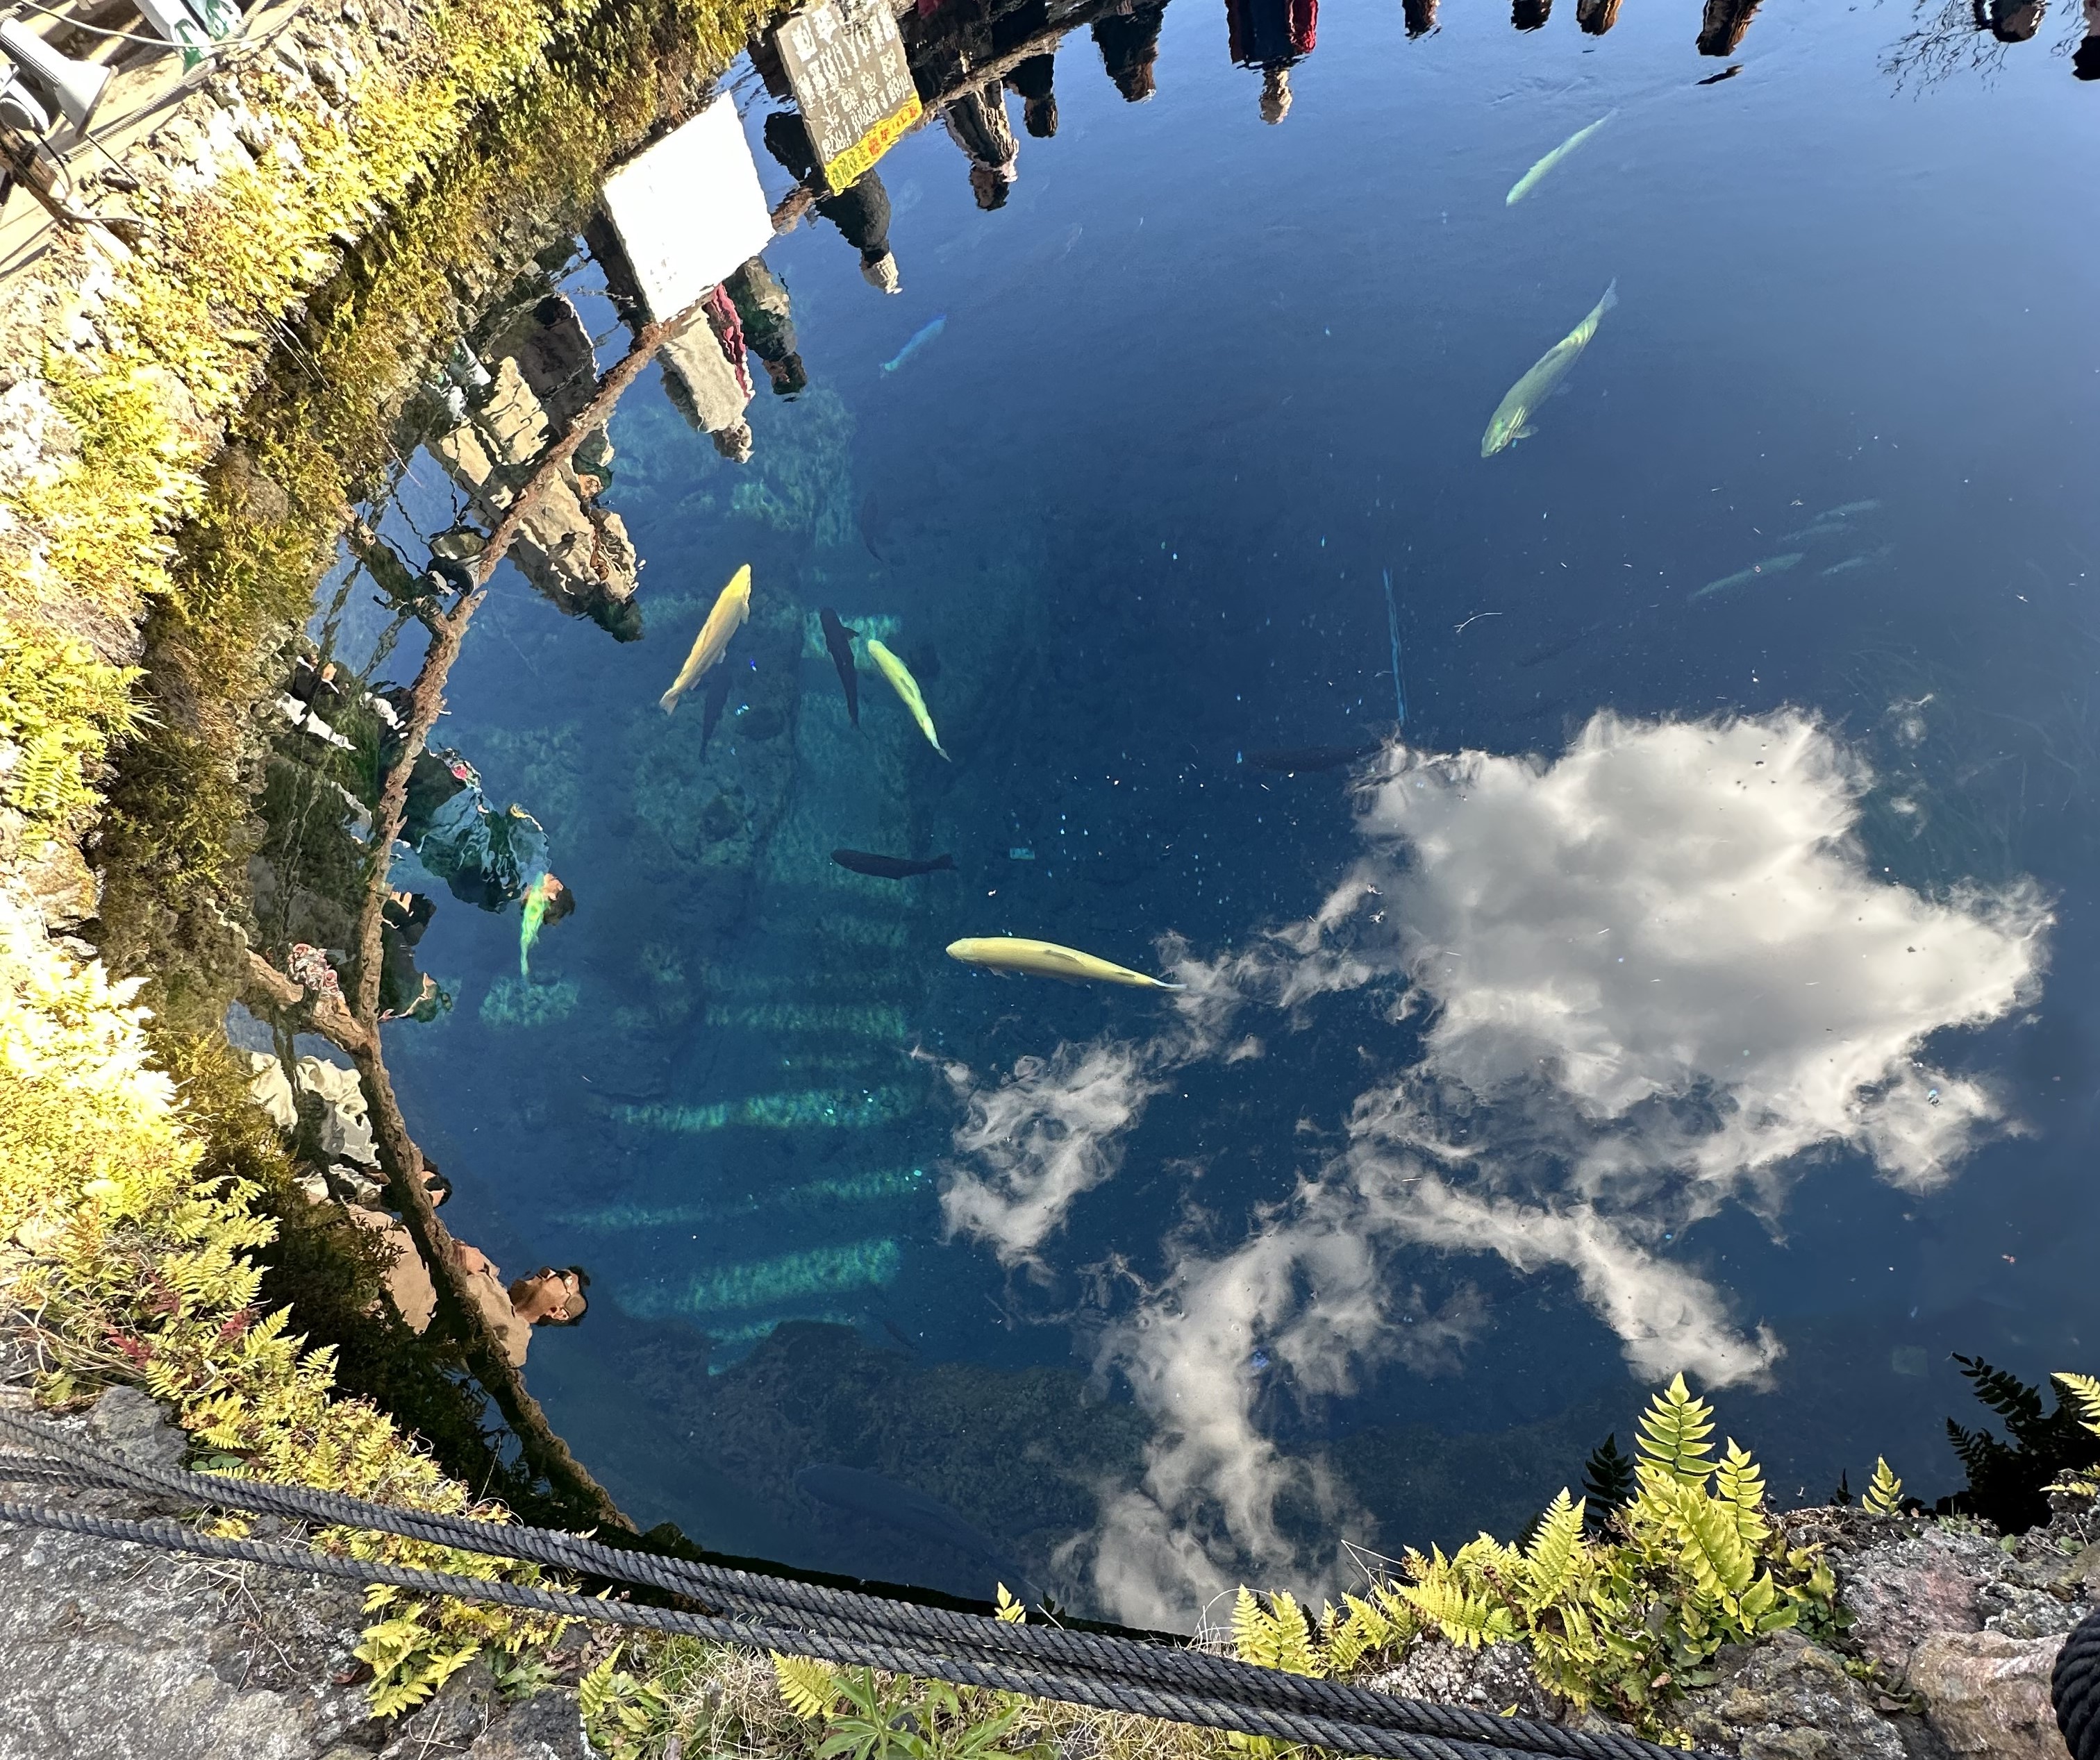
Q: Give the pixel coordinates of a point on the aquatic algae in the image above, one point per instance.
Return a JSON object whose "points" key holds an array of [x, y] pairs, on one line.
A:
{"points": [[879, 624], [809, 1107], [517, 1001], [815, 1271], [879, 1021]]}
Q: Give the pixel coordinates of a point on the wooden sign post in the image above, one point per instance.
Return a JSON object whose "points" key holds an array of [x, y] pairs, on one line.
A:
{"points": [[845, 63]]}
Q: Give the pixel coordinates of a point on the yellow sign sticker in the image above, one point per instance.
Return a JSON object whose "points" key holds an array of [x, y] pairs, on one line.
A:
{"points": [[858, 159]]}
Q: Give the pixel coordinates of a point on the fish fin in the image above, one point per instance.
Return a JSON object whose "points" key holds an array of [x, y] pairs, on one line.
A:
{"points": [[1524, 432], [853, 635], [1160, 983], [936, 746], [1611, 296], [668, 701]]}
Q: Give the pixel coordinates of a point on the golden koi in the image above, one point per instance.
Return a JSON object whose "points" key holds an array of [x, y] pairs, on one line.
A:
{"points": [[1008, 954], [728, 616], [906, 687]]}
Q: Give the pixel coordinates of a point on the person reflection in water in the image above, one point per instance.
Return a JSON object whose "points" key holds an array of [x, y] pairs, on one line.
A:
{"points": [[1031, 82], [977, 122], [2011, 20], [705, 377], [1420, 16], [548, 1298], [1274, 35], [769, 325], [861, 211], [1128, 39], [1530, 14], [2085, 59]]}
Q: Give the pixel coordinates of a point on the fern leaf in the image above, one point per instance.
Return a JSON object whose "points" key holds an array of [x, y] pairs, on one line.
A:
{"points": [[1672, 1441], [1885, 1493], [1739, 1483], [2084, 1391], [1469, 1620], [810, 1687], [1556, 1551], [1711, 1547], [1011, 1611]]}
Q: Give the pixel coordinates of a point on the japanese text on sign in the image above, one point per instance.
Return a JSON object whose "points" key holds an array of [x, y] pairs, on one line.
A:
{"points": [[851, 82]]}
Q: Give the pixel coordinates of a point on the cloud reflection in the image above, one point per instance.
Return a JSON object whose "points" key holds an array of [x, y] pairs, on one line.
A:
{"points": [[1650, 977]]}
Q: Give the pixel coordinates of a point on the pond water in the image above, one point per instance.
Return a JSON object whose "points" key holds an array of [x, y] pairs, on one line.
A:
{"points": [[1691, 969]]}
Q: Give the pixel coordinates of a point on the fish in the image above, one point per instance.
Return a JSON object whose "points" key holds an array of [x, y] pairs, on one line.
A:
{"points": [[839, 639], [1822, 528], [713, 701], [921, 337], [1506, 426], [1531, 180], [1848, 509], [874, 523], [1292, 758], [1771, 565], [890, 867], [731, 607], [860, 1493], [1868, 560], [906, 687], [1008, 954]]}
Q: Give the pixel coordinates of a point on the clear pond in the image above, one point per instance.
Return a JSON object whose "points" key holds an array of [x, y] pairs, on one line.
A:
{"points": [[1700, 977]]}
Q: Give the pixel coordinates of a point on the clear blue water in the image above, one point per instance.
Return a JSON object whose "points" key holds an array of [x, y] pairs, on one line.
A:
{"points": [[1701, 981]]}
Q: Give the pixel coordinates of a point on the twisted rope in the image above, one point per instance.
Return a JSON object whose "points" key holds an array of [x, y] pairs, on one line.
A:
{"points": [[2074, 1687], [797, 1618]]}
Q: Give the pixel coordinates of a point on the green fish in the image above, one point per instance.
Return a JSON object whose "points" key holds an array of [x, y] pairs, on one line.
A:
{"points": [[1507, 425], [1529, 181], [1771, 565], [1867, 561]]}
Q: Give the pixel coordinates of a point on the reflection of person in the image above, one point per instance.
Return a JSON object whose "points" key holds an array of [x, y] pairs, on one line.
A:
{"points": [[405, 993], [1032, 80], [1724, 24], [2085, 59], [769, 325], [1273, 35], [861, 211], [2009, 20], [486, 857], [1530, 14], [977, 122], [1128, 39], [1420, 16], [407, 1278], [1594, 17], [548, 1298]]}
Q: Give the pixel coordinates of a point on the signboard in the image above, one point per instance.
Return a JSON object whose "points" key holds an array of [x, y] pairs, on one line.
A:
{"points": [[851, 83], [689, 211]]}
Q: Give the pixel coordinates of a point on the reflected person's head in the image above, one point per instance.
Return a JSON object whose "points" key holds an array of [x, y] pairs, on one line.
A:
{"points": [[2086, 60], [1038, 116], [1275, 95], [551, 1298], [880, 272], [735, 442], [991, 184], [2016, 20], [788, 375], [436, 1185], [1137, 82]]}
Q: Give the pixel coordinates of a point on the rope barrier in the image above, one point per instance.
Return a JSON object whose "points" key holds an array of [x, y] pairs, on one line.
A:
{"points": [[1181, 1685], [2074, 1687]]}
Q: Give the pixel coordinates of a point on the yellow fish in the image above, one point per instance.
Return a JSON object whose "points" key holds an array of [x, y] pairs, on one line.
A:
{"points": [[731, 610], [901, 681], [1008, 954]]}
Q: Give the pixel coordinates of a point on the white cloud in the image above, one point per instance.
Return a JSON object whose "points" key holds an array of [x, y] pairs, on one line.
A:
{"points": [[1650, 976]]}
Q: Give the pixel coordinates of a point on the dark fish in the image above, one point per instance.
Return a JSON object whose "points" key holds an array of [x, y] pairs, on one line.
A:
{"points": [[713, 702], [840, 640], [859, 1492], [872, 525], [888, 867], [1290, 759]]}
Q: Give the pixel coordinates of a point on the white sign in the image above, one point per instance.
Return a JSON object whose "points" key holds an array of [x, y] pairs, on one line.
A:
{"points": [[689, 211]]}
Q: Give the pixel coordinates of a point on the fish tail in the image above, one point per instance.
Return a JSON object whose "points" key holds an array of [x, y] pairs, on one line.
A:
{"points": [[669, 700], [1160, 983], [1611, 296], [936, 746]]}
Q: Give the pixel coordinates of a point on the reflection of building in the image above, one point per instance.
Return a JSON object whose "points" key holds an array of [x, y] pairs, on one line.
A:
{"points": [[529, 380], [1722, 30]]}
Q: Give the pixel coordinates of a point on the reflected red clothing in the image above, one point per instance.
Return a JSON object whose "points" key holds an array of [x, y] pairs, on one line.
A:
{"points": [[1272, 33]]}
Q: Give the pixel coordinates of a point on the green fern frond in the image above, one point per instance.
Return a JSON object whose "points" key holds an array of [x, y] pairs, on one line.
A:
{"points": [[1469, 1620], [1740, 1483], [1274, 1636], [1885, 1493], [1011, 1611], [1711, 1548], [2084, 1391], [1557, 1550], [810, 1687], [594, 1690], [1672, 1439]]}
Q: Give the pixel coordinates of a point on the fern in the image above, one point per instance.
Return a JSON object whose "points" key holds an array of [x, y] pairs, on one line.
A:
{"points": [[1672, 1439], [1010, 1610], [810, 1687], [1553, 1558], [1884, 1495], [1739, 1483], [1274, 1636], [1608, 1483]]}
